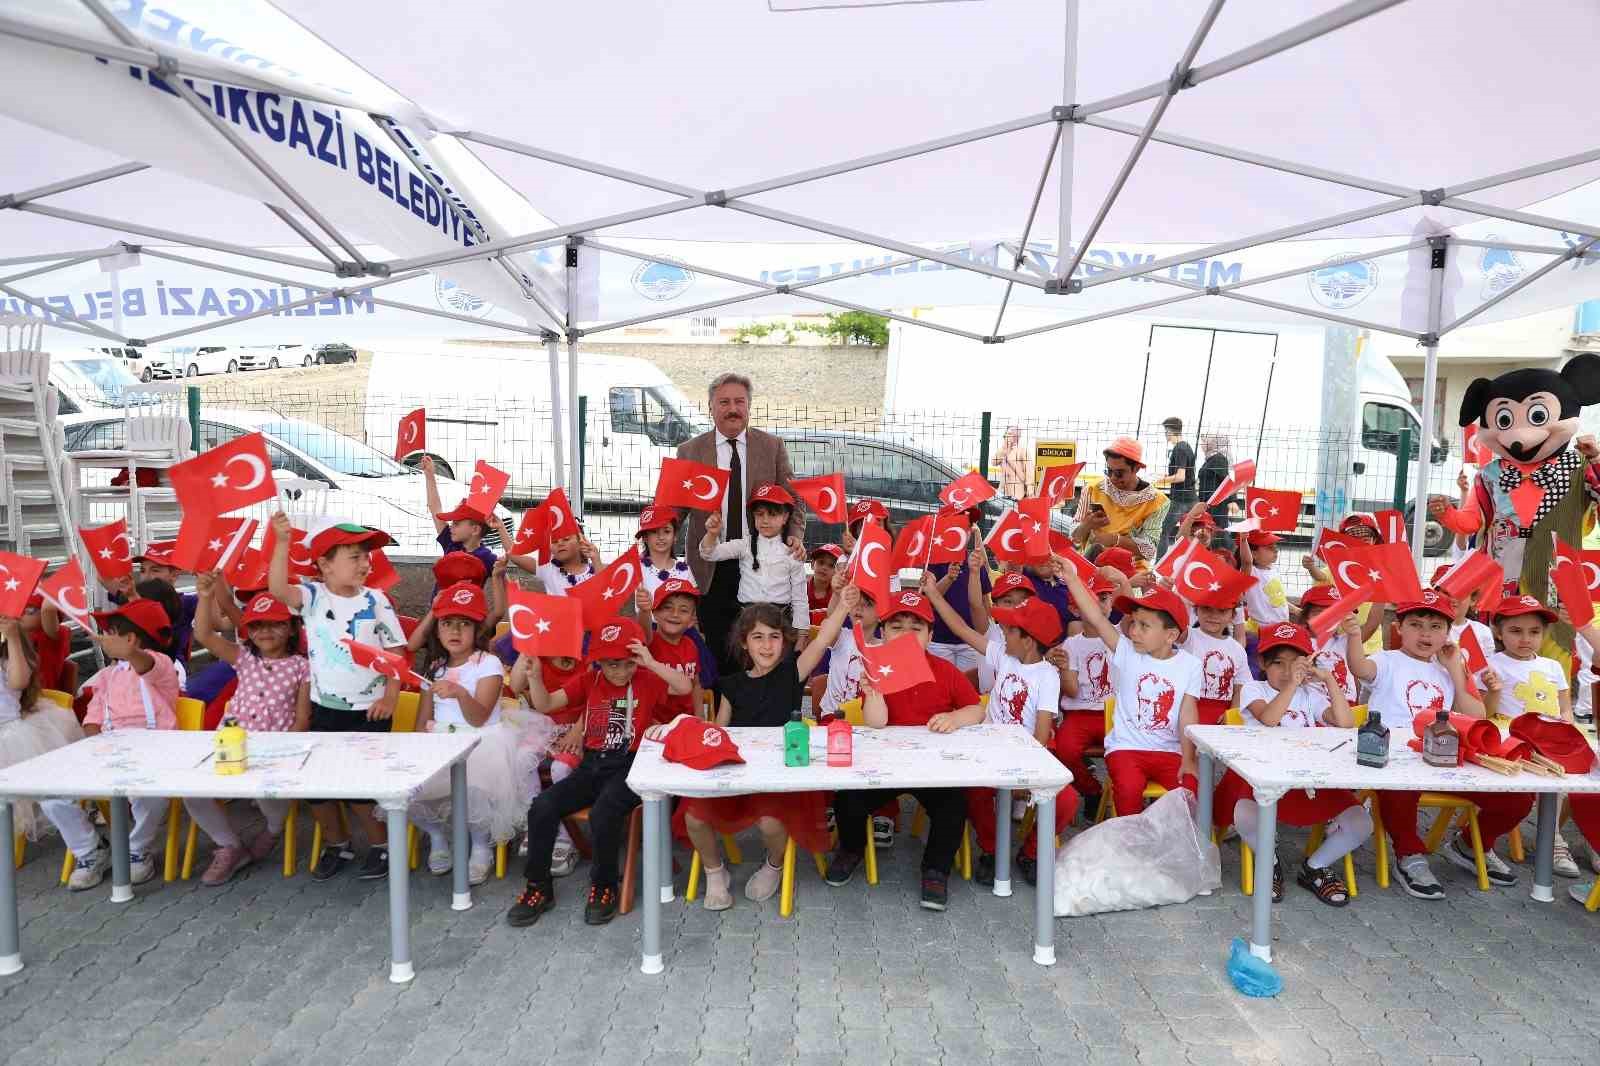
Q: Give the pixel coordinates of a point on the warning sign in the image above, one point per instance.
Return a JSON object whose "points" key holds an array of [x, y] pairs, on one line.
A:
{"points": [[1048, 453]]}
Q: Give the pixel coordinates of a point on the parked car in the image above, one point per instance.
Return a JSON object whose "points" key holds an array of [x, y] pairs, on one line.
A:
{"points": [[337, 352], [191, 360], [272, 356], [90, 379], [134, 359], [363, 485]]}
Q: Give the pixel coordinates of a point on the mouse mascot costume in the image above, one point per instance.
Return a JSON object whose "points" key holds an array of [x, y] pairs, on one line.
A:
{"points": [[1543, 478]]}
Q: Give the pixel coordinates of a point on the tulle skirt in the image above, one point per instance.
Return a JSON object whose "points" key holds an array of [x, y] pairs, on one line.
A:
{"points": [[502, 776], [49, 727], [804, 815]]}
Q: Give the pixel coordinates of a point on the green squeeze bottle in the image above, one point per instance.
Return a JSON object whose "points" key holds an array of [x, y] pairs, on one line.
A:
{"points": [[796, 741]]}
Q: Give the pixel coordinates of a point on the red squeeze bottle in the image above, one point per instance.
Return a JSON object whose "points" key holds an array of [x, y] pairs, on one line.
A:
{"points": [[839, 742]]}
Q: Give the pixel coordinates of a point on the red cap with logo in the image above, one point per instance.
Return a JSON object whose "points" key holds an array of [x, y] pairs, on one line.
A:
{"points": [[1361, 520], [1011, 581], [333, 536], [1034, 617], [673, 587], [772, 493], [656, 518], [914, 603], [828, 549], [464, 599], [699, 744], [1433, 602], [464, 513], [1119, 559], [148, 615], [1204, 519], [1516, 606], [612, 640], [263, 608], [1319, 596], [1261, 538], [866, 509], [158, 552], [1156, 599], [1285, 634], [459, 566]]}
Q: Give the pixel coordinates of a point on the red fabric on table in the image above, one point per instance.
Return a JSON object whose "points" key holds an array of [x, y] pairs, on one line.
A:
{"points": [[1131, 770], [1297, 807], [981, 813], [1212, 712], [1079, 731], [804, 815], [1498, 814]]}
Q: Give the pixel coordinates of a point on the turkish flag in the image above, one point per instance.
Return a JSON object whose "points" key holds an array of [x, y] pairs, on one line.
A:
{"points": [[382, 575], [1473, 450], [1035, 513], [109, 549], [1591, 571], [300, 562], [870, 565], [1242, 474], [1387, 567], [1086, 570], [1007, 541], [1167, 565], [824, 495], [606, 593], [488, 484], [966, 491], [1055, 482], [1276, 510], [1469, 575], [559, 521], [1473, 651], [1326, 621], [1566, 574], [248, 572], [912, 546], [67, 590], [390, 664], [544, 626], [226, 478], [1391, 526], [950, 535], [19, 575], [530, 538], [895, 665], [686, 483], [412, 434], [210, 542], [1206, 578], [1333, 547]]}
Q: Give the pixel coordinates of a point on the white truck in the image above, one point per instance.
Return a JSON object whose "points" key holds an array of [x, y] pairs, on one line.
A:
{"points": [[1262, 388]]}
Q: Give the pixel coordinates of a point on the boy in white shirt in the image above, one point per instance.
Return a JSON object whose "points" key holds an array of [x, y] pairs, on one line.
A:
{"points": [[1084, 663], [1027, 692], [1155, 685], [1223, 667], [1427, 674], [1265, 602]]}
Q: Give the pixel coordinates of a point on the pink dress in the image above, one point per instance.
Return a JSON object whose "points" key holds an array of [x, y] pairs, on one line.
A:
{"points": [[264, 701]]}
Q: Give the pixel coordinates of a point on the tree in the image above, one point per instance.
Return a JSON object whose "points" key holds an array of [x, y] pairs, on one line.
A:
{"points": [[859, 327]]}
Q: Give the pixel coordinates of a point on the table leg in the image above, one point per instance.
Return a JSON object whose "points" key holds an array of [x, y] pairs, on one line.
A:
{"points": [[1544, 849], [667, 895], [654, 816], [461, 898], [1044, 902], [121, 880], [1261, 901], [1203, 773], [1002, 841], [400, 969], [10, 939]]}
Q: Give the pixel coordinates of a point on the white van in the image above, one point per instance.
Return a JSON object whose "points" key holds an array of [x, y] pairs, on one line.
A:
{"points": [[493, 403]]}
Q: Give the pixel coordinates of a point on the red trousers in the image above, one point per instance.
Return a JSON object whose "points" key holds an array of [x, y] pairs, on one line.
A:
{"points": [[1297, 807], [1585, 808], [980, 812], [1131, 770], [1498, 814], [1077, 732], [1212, 712]]}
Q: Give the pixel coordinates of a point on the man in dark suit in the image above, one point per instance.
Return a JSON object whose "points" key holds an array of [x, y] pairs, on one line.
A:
{"points": [[750, 457]]}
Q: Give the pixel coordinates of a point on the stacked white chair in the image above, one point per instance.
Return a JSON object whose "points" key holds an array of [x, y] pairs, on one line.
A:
{"points": [[155, 435], [35, 519]]}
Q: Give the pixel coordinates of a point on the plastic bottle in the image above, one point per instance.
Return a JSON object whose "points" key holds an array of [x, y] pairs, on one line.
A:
{"points": [[231, 744], [796, 742], [840, 742]]}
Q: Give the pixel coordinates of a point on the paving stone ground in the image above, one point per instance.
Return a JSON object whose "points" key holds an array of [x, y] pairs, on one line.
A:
{"points": [[271, 971]]}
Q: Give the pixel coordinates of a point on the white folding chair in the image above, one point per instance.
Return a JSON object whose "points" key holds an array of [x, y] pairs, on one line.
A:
{"points": [[156, 436]]}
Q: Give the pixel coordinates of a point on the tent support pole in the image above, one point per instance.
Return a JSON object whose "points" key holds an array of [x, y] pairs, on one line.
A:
{"points": [[1518, 287], [1027, 227], [82, 257], [1114, 312], [320, 294], [1535, 249], [174, 236], [552, 352], [1178, 81], [51, 312], [1470, 187], [574, 460], [1069, 135], [1542, 221], [1343, 321], [68, 184], [21, 260], [1430, 384]]}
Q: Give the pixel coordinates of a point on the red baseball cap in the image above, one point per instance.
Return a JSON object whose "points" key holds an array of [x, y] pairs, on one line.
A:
{"points": [[827, 549], [463, 512], [612, 639], [263, 608], [464, 599], [1262, 539], [770, 492], [158, 552], [1119, 559], [1156, 599], [148, 615], [1034, 617], [459, 566], [673, 587], [1204, 519], [656, 518], [914, 603], [1127, 448], [1285, 634], [333, 536], [1361, 520], [1101, 585], [1515, 606], [1319, 596], [1433, 602], [35, 602], [1011, 581], [867, 509], [1559, 741], [699, 744]]}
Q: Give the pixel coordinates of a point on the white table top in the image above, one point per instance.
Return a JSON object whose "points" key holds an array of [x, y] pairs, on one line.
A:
{"points": [[994, 756], [1275, 760], [142, 763]]}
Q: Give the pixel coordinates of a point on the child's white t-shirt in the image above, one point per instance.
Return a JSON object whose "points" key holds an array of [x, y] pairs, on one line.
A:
{"points": [[1332, 659], [1265, 601], [1405, 687], [447, 712], [366, 618], [1150, 694], [1583, 692], [1306, 707], [995, 636], [653, 577], [1090, 657], [557, 582], [1527, 684], [1222, 664], [845, 667], [1021, 690]]}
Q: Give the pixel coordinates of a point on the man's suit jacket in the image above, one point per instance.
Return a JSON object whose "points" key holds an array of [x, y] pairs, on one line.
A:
{"points": [[767, 461]]}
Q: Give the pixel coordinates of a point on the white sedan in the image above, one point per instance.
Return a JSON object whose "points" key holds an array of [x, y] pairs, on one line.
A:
{"points": [[320, 471]]}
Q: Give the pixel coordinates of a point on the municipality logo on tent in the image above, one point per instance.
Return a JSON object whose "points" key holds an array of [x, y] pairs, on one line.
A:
{"points": [[1343, 285], [661, 281], [452, 297], [1502, 268]]}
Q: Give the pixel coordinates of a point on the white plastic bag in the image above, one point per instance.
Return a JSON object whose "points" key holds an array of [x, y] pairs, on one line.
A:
{"points": [[1142, 860]]}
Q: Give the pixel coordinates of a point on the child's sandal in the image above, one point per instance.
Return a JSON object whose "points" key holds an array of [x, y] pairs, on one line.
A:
{"points": [[1324, 885]]}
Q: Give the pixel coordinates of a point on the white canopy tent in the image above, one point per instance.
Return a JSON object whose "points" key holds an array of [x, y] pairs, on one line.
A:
{"points": [[1404, 167]]}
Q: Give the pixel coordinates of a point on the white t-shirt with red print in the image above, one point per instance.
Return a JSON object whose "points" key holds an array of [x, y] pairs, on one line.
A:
{"points": [[1090, 657], [1149, 694], [1222, 664], [845, 667], [1306, 707], [1021, 690], [1331, 658], [1405, 687]]}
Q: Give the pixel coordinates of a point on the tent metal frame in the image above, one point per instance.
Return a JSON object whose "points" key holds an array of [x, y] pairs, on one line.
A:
{"points": [[128, 47]]}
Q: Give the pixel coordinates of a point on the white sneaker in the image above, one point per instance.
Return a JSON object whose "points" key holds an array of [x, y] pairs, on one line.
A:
{"points": [[1493, 865], [1417, 879], [563, 860], [882, 831], [1564, 865], [141, 868], [478, 862], [90, 870], [1580, 891]]}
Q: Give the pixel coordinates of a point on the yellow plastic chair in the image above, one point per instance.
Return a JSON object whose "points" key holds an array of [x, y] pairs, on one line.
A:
{"points": [[1108, 806], [1380, 841], [404, 721], [1592, 904], [57, 697], [786, 892]]}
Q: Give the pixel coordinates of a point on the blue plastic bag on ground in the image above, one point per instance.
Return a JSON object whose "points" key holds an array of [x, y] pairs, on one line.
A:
{"points": [[1250, 975]]}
